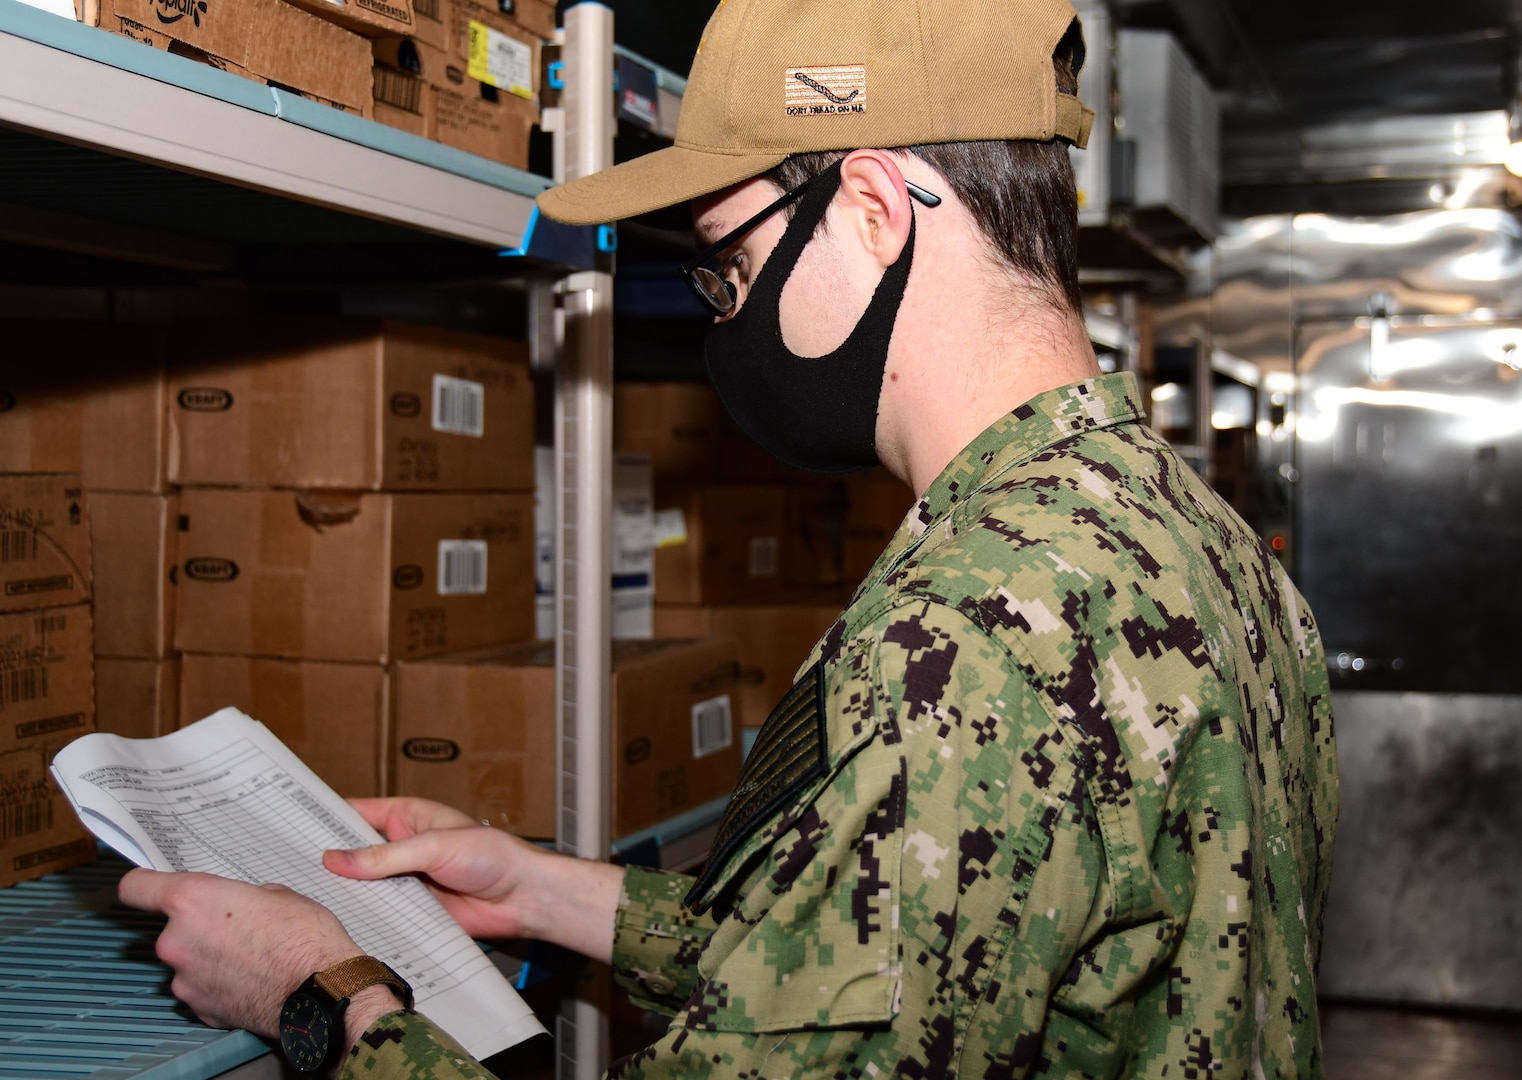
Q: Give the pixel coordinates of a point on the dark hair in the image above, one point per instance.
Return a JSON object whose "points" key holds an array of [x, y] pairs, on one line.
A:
{"points": [[1020, 192]]}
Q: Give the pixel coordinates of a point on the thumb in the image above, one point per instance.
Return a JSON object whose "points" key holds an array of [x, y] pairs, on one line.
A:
{"points": [[417, 854]]}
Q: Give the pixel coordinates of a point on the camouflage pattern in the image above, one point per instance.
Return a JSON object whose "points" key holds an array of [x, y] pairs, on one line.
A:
{"points": [[404, 1044], [1075, 804]]}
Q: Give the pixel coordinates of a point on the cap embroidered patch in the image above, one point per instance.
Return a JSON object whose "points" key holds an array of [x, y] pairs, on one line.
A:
{"points": [[822, 91]]}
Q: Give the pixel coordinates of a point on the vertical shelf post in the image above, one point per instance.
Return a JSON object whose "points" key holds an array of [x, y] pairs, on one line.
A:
{"points": [[584, 536]]}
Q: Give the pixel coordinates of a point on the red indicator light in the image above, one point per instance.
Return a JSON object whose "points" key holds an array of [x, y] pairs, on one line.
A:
{"points": [[1277, 543]]}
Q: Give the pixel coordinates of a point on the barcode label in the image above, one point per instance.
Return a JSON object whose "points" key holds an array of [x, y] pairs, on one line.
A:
{"points": [[500, 61], [26, 819], [711, 727], [23, 684], [462, 567], [18, 545], [459, 406], [763, 556]]}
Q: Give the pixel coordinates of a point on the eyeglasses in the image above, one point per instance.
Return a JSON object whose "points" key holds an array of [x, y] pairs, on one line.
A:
{"points": [[709, 282]]}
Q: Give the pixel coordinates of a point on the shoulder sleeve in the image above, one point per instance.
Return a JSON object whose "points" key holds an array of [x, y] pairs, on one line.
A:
{"points": [[656, 941], [407, 1046]]}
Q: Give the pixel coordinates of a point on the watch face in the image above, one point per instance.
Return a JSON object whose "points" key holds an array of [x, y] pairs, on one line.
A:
{"points": [[306, 1031]]}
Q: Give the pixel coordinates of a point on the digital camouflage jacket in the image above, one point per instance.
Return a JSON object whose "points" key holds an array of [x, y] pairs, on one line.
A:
{"points": [[1054, 797]]}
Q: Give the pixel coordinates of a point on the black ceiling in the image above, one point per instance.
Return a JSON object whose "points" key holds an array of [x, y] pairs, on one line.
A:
{"points": [[1301, 62]]}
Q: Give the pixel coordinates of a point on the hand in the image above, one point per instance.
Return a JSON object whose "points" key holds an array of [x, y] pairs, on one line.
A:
{"points": [[494, 884], [237, 950]]}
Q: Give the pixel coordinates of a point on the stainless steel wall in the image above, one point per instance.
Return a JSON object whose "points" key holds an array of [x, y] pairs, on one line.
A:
{"points": [[1390, 430], [1390, 442]]}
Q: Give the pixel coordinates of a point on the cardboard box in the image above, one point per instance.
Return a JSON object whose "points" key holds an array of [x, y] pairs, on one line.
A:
{"points": [[477, 730], [134, 538], [372, 18], [89, 398], [47, 684], [137, 699], [39, 832], [267, 40], [403, 101], [334, 717], [633, 585], [876, 505], [816, 512], [349, 403], [775, 639], [431, 24], [677, 423], [44, 541], [535, 16], [720, 544], [479, 121], [355, 577], [466, 43], [435, 19], [423, 88]]}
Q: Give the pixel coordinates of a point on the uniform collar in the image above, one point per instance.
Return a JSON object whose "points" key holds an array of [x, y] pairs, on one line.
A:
{"points": [[1040, 423]]}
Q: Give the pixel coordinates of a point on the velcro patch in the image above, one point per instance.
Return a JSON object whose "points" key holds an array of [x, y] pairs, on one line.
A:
{"points": [[791, 752], [825, 91]]}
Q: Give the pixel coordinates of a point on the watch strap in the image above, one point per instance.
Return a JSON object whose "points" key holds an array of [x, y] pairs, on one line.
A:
{"points": [[348, 977]]}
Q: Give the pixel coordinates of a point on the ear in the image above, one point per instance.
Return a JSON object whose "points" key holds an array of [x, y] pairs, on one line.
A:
{"points": [[873, 205]]}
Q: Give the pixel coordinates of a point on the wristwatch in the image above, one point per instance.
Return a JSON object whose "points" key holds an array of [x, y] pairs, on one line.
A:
{"points": [[312, 1019]]}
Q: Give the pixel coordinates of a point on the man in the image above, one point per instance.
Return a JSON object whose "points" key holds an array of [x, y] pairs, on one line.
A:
{"points": [[1055, 795]]}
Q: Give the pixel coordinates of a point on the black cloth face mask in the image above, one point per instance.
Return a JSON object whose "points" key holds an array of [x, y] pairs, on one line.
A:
{"points": [[816, 413]]}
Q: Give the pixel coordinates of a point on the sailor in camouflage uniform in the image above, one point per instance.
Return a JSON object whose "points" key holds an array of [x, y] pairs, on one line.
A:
{"points": [[1056, 794]]}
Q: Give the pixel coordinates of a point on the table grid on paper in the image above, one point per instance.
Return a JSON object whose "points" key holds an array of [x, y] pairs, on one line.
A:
{"points": [[240, 814]]}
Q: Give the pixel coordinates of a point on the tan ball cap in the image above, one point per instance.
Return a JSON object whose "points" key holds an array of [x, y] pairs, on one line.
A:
{"points": [[778, 77]]}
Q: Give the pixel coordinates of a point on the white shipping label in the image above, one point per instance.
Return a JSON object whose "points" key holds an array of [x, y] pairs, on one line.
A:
{"points": [[712, 729], [502, 61], [459, 406], [462, 567], [670, 527], [763, 556]]}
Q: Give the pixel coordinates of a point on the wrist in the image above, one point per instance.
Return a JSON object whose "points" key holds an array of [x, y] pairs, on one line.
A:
{"points": [[574, 903]]}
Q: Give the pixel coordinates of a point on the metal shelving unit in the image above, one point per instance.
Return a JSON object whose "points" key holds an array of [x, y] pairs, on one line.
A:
{"points": [[143, 159], [79, 85]]}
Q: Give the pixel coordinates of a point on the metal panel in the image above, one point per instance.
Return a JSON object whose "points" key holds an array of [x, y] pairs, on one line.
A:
{"points": [[1391, 433], [584, 537], [1429, 865], [1410, 500]]}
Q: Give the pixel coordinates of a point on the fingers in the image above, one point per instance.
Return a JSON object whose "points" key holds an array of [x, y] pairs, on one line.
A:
{"points": [[144, 889], [417, 854], [399, 818]]}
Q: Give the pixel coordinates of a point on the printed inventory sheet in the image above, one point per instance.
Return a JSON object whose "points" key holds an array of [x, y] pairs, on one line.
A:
{"points": [[224, 796]]}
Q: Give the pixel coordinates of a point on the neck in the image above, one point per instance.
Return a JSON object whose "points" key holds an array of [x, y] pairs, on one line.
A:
{"points": [[957, 367]]}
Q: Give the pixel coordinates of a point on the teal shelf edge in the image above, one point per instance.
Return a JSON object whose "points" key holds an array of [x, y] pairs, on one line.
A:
{"points": [[33, 24], [673, 829], [665, 78], [355, 129], [23, 21]]}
